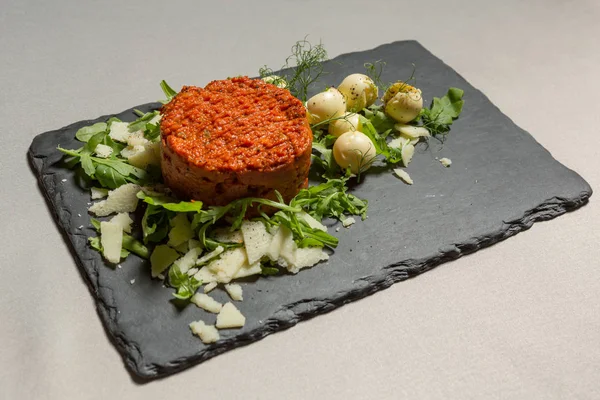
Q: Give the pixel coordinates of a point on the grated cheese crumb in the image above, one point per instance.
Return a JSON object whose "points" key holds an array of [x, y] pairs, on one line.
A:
{"points": [[208, 288], [206, 302], [348, 221], [446, 162], [206, 333], [235, 291], [132, 281]]}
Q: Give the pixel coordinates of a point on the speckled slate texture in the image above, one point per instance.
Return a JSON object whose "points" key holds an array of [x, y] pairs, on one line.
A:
{"points": [[500, 183]]}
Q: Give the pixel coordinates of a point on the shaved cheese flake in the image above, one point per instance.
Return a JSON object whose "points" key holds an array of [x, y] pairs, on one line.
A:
{"points": [[206, 303], [313, 223], [188, 260], [248, 270], [148, 155], [99, 193], [103, 151], [119, 131], [137, 139], [275, 245], [181, 230], [288, 246], [122, 199], [307, 257], [193, 243], [205, 275], [132, 151], [411, 131], [402, 174], [225, 236], [123, 220], [407, 152], [256, 240], [207, 257], [230, 317], [235, 291], [206, 333], [348, 221], [208, 288], [228, 264], [111, 238], [446, 162]]}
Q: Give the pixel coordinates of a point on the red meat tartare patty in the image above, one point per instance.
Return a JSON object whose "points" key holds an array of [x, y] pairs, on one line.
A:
{"points": [[235, 138]]}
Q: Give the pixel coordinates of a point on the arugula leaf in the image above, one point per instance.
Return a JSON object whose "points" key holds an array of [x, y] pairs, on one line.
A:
{"points": [[378, 118], [140, 123], [169, 203], [330, 199], [325, 159], [109, 177], [266, 271], [84, 134], [185, 284], [168, 91], [392, 155], [443, 111], [155, 224], [152, 132]]}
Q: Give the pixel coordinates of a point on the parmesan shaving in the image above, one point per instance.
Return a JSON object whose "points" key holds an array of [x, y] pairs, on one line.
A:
{"points": [[206, 333], [122, 199], [402, 174]]}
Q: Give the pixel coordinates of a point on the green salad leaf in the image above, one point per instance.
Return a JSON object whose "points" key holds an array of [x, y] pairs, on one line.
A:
{"points": [[169, 203], [168, 91], [443, 111], [392, 155], [84, 134], [185, 284]]}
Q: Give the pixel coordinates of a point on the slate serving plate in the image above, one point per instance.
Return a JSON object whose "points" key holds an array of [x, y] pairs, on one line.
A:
{"points": [[500, 183]]}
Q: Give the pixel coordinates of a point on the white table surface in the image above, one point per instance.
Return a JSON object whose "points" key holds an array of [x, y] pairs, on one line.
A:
{"points": [[518, 320]]}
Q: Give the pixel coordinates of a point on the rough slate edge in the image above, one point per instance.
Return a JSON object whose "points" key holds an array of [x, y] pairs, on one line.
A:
{"points": [[393, 273]]}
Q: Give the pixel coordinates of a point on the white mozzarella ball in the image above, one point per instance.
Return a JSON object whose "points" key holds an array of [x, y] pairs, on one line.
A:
{"points": [[325, 105], [350, 122], [359, 90], [354, 149]]}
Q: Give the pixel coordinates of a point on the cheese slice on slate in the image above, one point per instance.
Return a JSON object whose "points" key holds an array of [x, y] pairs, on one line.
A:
{"points": [[235, 291], [188, 260], [122, 199], [123, 220], [111, 238], [119, 131], [307, 257], [230, 317], [256, 240], [206, 302], [313, 223], [228, 264], [207, 333], [248, 270], [103, 151], [205, 275], [208, 288]]}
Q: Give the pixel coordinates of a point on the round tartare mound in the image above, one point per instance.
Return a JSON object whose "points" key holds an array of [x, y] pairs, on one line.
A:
{"points": [[235, 138]]}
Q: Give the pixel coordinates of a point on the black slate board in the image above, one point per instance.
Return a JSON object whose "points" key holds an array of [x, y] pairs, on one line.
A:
{"points": [[500, 183]]}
